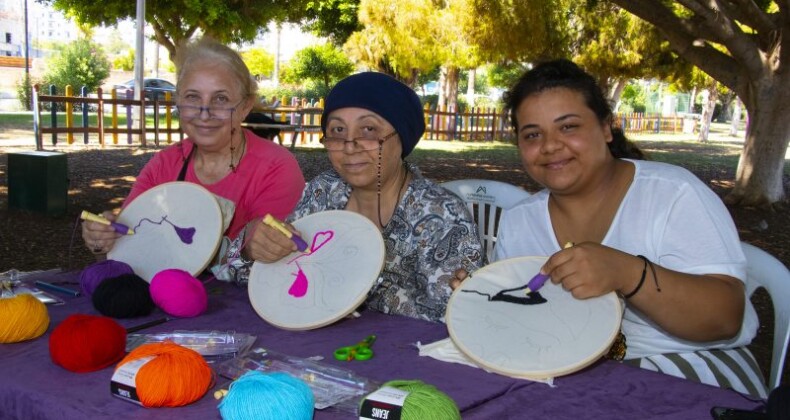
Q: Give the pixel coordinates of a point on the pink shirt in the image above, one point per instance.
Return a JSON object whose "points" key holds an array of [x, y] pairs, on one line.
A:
{"points": [[267, 180]]}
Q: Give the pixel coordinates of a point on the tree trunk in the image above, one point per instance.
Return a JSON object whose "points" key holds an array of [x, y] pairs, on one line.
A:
{"points": [[616, 93], [441, 100], [759, 178], [448, 86], [470, 88], [707, 112]]}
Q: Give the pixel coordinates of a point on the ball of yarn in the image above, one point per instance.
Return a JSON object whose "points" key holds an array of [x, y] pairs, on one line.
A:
{"points": [[175, 376], [425, 402], [92, 275], [85, 343], [22, 318], [125, 296], [275, 396], [178, 293]]}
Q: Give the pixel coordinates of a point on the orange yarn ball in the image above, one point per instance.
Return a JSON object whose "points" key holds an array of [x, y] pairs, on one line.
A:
{"points": [[23, 318], [86, 343], [175, 376]]}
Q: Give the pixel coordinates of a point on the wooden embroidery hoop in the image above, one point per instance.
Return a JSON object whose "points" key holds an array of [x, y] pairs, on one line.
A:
{"points": [[538, 341], [340, 273], [153, 247]]}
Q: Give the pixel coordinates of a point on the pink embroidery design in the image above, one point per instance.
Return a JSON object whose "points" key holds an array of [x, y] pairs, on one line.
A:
{"points": [[299, 287]]}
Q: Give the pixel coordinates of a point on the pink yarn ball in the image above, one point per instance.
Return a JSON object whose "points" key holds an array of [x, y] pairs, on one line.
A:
{"points": [[178, 293]]}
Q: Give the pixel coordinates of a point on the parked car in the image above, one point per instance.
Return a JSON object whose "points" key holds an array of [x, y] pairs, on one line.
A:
{"points": [[153, 88]]}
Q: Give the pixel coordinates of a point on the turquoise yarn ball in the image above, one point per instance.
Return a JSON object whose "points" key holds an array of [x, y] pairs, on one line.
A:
{"points": [[262, 396]]}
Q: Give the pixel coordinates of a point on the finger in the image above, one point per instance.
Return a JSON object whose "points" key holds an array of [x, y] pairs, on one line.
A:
{"points": [[461, 274]]}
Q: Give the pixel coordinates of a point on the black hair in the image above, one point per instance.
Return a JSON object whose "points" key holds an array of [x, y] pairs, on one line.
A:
{"points": [[564, 73]]}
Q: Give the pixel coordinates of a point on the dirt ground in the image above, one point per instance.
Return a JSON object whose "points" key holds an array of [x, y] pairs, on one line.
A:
{"points": [[100, 179]]}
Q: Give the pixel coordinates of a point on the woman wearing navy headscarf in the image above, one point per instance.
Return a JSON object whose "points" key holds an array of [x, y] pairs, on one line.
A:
{"points": [[371, 122]]}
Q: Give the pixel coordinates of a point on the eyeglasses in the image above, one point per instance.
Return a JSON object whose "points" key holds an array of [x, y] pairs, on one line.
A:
{"points": [[370, 142], [215, 112]]}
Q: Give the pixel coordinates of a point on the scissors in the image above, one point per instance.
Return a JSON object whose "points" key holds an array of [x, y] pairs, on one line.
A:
{"points": [[359, 351]]}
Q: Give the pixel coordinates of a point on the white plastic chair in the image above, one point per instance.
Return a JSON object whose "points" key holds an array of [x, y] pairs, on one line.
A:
{"points": [[764, 270], [486, 199]]}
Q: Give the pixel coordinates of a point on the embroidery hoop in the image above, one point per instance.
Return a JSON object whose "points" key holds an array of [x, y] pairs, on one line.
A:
{"points": [[352, 258], [538, 341], [153, 247]]}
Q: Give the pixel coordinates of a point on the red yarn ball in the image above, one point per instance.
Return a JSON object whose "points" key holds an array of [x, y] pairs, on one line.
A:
{"points": [[178, 293], [86, 343]]}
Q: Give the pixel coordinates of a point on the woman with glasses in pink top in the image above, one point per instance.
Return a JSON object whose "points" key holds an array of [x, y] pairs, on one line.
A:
{"points": [[371, 122], [250, 175]]}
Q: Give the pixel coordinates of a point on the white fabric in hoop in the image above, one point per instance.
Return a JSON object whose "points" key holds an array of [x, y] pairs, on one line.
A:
{"points": [[535, 341], [310, 290], [176, 224]]}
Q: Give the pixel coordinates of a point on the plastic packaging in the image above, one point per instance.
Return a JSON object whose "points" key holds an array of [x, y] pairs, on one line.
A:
{"points": [[214, 346], [334, 387]]}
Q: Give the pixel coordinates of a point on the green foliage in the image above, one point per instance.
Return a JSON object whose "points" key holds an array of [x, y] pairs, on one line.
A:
{"points": [[333, 19], [505, 75], [481, 82], [24, 92], [80, 63], [429, 76], [124, 62], [176, 21], [115, 45], [611, 43], [260, 62], [518, 31], [324, 65], [633, 99], [290, 91]]}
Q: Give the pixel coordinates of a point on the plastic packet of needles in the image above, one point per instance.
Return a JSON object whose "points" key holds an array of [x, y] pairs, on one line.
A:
{"points": [[334, 387], [14, 282], [214, 346]]}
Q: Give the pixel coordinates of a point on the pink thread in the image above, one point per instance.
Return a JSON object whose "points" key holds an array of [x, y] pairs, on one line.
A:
{"points": [[299, 286]]}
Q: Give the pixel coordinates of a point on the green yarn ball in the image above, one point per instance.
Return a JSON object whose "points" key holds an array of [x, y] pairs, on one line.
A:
{"points": [[425, 402]]}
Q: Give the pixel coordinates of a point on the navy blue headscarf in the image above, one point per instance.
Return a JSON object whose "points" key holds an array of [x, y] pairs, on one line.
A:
{"points": [[387, 97]]}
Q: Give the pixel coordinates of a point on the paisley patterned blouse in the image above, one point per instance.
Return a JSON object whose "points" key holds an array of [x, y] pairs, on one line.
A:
{"points": [[430, 235]]}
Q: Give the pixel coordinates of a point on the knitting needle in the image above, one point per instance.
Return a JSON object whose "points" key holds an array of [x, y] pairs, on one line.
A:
{"points": [[148, 324]]}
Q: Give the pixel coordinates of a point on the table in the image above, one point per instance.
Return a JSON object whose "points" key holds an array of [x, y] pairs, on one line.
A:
{"points": [[32, 387]]}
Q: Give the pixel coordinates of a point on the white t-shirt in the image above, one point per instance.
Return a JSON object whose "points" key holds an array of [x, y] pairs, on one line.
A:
{"points": [[669, 216]]}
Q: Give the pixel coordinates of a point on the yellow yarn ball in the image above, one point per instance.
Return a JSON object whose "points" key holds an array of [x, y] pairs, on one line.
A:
{"points": [[24, 318]]}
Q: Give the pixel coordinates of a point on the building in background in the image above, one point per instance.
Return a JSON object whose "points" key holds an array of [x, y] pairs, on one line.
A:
{"points": [[45, 26]]}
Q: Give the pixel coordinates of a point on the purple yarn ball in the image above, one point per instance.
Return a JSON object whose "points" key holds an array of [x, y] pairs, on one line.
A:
{"points": [[94, 274]]}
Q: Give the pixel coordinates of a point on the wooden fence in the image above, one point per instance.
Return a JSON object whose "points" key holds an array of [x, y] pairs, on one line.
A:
{"points": [[301, 118], [164, 128], [487, 124]]}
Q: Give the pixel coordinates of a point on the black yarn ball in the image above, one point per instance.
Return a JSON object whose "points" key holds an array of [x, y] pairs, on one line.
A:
{"points": [[125, 296]]}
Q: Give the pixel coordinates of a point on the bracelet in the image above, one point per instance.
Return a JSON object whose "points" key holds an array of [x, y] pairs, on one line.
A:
{"points": [[653, 270], [641, 279]]}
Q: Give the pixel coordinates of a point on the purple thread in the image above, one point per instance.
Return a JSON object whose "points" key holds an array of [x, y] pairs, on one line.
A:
{"points": [[185, 234]]}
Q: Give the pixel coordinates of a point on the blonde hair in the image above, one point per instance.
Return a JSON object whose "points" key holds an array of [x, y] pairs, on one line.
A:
{"points": [[209, 50]]}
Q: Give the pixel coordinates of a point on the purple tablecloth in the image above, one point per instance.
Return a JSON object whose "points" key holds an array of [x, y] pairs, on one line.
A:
{"points": [[32, 387]]}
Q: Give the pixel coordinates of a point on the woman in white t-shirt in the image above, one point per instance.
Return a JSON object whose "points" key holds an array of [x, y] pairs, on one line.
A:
{"points": [[651, 232]]}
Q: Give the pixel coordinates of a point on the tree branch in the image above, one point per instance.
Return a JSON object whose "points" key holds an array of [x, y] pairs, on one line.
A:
{"points": [[685, 35], [746, 12]]}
